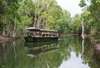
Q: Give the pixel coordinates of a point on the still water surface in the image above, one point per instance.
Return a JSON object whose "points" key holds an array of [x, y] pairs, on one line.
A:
{"points": [[70, 52]]}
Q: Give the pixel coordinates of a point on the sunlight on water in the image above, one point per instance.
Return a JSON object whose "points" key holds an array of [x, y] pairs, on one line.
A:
{"points": [[73, 62]]}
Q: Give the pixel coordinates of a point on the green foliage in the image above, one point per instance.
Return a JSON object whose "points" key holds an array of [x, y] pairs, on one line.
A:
{"points": [[64, 22], [82, 3], [76, 24], [91, 17], [15, 15]]}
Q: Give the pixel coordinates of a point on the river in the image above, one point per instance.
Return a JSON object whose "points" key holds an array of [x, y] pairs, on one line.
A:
{"points": [[69, 52]]}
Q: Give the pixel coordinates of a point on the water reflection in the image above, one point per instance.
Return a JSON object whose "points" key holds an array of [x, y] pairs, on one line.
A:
{"points": [[82, 47], [70, 52], [35, 49], [73, 62]]}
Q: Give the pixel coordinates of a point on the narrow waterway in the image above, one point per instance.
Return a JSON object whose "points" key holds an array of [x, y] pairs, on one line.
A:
{"points": [[69, 52]]}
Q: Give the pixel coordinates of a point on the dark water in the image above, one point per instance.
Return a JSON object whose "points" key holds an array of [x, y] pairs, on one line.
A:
{"points": [[70, 52]]}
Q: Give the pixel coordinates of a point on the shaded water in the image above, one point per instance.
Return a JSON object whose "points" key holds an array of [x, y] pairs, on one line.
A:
{"points": [[70, 52]]}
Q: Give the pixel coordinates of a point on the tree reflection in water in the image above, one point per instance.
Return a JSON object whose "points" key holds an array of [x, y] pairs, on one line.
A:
{"points": [[68, 52]]}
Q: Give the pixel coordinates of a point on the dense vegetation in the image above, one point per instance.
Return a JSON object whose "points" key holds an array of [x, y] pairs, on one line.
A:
{"points": [[91, 16], [16, 15]]}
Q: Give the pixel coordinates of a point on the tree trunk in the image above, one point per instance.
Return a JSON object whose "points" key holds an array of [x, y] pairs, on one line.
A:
{"points": [[82, 34]]}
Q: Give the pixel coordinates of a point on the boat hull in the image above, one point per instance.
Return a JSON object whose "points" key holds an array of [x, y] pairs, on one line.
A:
{"points": [[35, 39]]}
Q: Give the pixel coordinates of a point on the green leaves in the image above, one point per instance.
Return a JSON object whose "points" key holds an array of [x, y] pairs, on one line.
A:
{"points": [[93, 17], [82, 3], [18, 14]]}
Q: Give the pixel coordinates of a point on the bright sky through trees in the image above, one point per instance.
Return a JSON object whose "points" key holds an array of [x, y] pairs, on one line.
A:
{"points": [[71, 5]]}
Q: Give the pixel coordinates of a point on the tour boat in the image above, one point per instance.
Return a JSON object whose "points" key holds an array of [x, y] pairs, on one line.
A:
{"points": [[34, 34]]}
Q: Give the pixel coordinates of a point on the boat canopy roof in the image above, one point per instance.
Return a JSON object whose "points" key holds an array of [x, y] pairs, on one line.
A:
{"points": [[36, 29], [32, 28], [48, 30]]}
